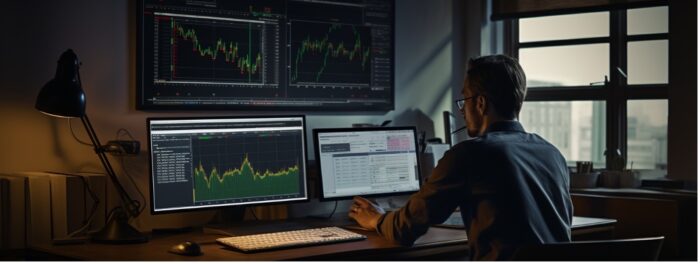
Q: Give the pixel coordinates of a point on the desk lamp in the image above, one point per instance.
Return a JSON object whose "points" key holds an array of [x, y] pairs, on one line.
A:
{"points": [[63, 96]]}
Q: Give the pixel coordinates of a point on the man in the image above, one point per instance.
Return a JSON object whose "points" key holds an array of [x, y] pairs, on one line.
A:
{"points": [[512, 187]]}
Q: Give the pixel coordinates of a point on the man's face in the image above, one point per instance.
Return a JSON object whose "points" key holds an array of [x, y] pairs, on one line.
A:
{"points": [[473, 117]]}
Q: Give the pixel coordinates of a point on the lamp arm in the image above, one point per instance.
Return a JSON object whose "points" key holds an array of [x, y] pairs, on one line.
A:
{"points": [[128, 203]]}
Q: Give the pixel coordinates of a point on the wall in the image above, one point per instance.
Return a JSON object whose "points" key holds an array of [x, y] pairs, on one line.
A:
{"points": [[429, 60], [683, 92]]}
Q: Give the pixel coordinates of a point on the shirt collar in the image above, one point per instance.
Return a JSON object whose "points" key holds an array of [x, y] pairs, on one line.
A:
{"points": [[505, 126]]}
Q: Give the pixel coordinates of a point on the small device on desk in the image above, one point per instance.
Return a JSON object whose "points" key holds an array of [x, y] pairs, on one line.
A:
{"points": [[187, 248]]}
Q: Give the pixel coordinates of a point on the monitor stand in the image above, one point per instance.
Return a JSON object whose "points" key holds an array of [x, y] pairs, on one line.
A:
{"points": [[232, 223]]}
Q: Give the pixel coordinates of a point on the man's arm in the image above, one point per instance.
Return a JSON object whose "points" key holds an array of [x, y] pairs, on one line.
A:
{"points": [[435, 201]]}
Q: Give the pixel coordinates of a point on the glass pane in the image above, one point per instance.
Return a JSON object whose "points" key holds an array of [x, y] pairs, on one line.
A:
{"points": [[575, 26], [647, 62], [576, 128], [565, 65], [647, 135], [647, 20]]}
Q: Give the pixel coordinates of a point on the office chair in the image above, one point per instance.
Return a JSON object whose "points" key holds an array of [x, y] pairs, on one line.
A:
{"points": [[636, 249]]}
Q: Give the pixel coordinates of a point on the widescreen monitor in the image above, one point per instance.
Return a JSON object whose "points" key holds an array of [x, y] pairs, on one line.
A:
{"points": [[379, 161], [204, 163], [265, 54]]}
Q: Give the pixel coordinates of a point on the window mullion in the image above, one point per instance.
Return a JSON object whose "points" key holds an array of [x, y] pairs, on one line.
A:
{"points": [[617, 99]]}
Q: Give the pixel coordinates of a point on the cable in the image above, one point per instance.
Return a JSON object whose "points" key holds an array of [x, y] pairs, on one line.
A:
{"points": [[253, 213], [216, 231], [334, 208], [95, 205], [70, 125], [126, 132], [93, 210], [111, 212], [141, 206]]}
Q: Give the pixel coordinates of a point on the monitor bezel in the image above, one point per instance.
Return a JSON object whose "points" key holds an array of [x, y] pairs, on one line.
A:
{"points": [[316, 132], [223, 206]]}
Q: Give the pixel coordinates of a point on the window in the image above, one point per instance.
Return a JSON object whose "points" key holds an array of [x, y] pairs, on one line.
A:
{"points": [[647, 62], [545, 66], [604, 77], [576, 128], [564, 27], [647, 135]]}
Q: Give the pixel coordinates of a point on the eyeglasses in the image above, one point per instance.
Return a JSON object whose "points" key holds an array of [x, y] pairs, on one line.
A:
{"points": [[460, 102]]}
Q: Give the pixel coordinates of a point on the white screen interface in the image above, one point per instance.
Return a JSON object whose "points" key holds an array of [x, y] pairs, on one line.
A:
{"points": [[368, 162]]}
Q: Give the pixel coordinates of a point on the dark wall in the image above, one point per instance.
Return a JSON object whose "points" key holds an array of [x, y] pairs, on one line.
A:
{"points": [[102, 33], [683, 92]]}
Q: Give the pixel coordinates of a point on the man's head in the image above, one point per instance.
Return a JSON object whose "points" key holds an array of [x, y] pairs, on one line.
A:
{"points": [[494, 90]]}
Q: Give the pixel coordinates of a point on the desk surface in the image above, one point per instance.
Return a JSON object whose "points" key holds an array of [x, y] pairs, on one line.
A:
{"points": [[436, 241], [580, 222]]}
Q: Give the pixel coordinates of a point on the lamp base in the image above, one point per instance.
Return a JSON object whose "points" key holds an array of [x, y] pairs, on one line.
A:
{"points": [[119, 231]]}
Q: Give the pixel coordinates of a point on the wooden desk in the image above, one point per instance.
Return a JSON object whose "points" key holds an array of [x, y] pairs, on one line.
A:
{"points": [[582, 228], [591, 228], [438, 241]]}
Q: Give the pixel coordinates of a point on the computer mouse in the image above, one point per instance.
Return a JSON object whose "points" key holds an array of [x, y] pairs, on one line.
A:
{"points": [[187, 248]]}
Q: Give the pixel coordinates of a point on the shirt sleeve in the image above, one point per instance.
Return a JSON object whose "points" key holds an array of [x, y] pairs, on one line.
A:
{"points": [[432, 204]]}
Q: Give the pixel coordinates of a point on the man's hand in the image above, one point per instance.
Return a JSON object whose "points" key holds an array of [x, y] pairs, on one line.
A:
{"points": [[366, 213]]}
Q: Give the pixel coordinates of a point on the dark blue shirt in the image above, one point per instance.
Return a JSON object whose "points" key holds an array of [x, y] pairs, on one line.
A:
{"points": [[512, 189]]}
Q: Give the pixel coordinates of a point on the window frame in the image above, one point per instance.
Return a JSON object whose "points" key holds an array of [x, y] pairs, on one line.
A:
{"points": [[615, 92]]}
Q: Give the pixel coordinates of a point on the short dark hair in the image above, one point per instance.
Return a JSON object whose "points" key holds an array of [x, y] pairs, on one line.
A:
{"points": [[501, 80]]}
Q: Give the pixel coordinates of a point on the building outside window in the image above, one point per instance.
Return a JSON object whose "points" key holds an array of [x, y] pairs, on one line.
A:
{"points": [[599, 81]]}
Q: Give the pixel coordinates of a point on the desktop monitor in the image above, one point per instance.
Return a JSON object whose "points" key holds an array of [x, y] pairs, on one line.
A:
{"points": [[378, 161], [205, 163]]}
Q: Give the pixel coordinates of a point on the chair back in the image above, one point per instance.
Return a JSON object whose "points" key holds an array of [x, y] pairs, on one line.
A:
{"points": [[636, 249]]}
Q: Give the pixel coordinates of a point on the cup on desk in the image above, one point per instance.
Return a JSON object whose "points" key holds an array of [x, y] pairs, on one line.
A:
{"points": [[610, 179], [630, 179], [584, 180]]}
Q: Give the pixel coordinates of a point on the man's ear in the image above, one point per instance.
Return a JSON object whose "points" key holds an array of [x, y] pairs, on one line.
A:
{"points": [[482, 105]]}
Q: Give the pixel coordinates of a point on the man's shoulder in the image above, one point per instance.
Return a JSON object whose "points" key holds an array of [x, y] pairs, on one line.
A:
{"points": [[503, 140], [469, 143], [469, 146]]}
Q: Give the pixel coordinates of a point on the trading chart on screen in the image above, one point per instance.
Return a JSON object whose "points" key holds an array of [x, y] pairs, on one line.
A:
{"points": [[210, 162], [266, 54]]}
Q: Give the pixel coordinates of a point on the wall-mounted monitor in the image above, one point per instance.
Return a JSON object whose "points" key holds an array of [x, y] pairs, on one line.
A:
{"points": [[266, 54]]}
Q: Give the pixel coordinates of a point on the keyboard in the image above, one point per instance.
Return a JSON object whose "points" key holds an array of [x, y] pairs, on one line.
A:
{"points": [[296, 238]]}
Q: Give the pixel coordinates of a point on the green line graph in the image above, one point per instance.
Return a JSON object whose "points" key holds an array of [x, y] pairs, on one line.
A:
{"points": [[235, 45], [244, 181], [333, 50]]}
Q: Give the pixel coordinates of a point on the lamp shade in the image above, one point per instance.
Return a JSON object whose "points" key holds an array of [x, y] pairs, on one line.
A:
{"points": [[63, 95]]}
